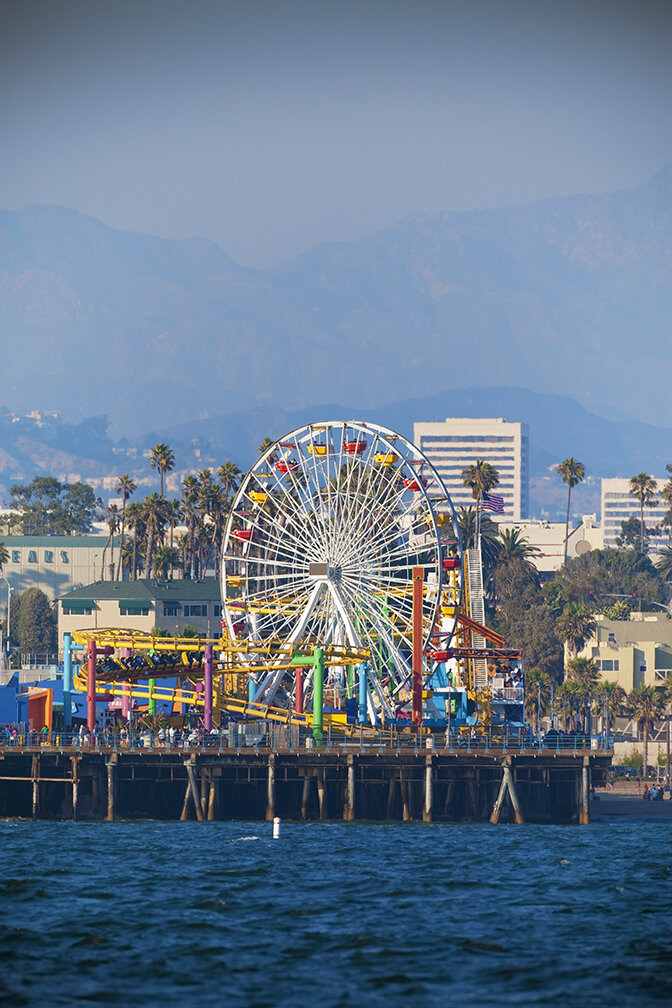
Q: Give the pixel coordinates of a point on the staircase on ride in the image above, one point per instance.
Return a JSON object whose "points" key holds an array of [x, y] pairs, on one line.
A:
{"points": [[477, 613]]}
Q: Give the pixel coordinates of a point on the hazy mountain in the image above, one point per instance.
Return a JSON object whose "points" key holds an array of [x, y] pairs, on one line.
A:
{"points": [[558, 427], [571, 294]]}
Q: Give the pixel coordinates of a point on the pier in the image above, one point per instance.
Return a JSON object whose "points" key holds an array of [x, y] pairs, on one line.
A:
{"points": [[348, 781]]}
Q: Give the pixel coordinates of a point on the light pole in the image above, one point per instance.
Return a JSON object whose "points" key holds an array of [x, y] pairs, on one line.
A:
{"points": [[9, 609]]}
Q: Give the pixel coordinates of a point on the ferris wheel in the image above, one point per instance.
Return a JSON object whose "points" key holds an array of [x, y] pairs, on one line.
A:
{"points": [[319, 549]]}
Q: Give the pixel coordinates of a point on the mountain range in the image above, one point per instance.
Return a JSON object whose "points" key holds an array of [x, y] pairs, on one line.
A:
{"points": [[558, 427], [568, 296]]}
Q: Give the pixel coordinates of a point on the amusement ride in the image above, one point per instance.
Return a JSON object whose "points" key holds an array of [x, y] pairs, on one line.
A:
{"points": [[347, 600]]}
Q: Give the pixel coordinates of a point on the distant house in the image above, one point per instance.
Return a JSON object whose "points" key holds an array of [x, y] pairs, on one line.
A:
{"points": [[632, 652], [142, 605]]}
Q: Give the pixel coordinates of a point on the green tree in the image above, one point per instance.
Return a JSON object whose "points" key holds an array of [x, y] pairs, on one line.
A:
{"points": [[643, 488], [126, 486], [162, 458], [4, 556], [632, 532], [646, 703], [47, 507], [575, 626], [36, 623], [598, 577], [526, 622], [572, 472]]}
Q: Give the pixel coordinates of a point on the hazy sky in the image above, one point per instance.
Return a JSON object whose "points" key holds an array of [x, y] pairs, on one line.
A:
{"points": [[271, 127]]}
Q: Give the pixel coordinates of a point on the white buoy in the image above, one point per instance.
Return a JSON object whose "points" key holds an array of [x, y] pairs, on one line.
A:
{"points": [[276, 828]]}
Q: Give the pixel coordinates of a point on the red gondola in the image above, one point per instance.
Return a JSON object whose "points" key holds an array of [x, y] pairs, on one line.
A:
{"points": [[414, 485], [286, 466], [245, 535], [440, 656], [451, 563], [354, 447]]}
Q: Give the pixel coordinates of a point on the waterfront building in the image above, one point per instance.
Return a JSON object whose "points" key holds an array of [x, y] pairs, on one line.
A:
{"points": [[142, 605], [549, 540], [632, 652], [57, 564], [618, 505], [459, 442]]}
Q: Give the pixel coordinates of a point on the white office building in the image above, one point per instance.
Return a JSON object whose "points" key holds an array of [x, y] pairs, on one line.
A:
{"points": [[618, 505], [459, 442]]}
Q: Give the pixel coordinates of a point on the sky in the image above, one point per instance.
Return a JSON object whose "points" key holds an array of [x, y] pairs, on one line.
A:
{"points": [[272, 127]]}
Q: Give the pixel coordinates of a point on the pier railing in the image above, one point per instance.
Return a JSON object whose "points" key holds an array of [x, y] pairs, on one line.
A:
{"points": [[275, 737]]}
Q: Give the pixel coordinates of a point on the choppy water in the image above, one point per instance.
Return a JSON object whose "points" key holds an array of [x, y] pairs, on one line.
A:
{"points": [[335, 915]]}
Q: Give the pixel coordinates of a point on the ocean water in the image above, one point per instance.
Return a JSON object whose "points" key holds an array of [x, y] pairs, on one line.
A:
{"points": [[335, 914]]}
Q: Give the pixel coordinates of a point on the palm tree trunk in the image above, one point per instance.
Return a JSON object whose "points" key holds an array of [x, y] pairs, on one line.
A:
{"points": [[641, 526], [569, 494], [645, 739], [121, 553]]}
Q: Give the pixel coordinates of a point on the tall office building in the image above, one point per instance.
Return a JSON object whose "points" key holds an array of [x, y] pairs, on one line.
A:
{"points": [[618, 505], [457, 443]]}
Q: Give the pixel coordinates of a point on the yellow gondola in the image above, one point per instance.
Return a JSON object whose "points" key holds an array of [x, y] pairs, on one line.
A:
{"points": [[386, 458]]}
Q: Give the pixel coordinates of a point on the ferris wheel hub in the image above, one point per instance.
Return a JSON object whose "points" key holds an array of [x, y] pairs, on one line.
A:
{"points": [[324, 572]]}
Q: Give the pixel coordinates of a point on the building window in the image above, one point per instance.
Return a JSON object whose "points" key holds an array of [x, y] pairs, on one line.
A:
{"points": [[133, 611], [64, 556], [32, 556], [48, 556], [196, 610], [217, 608], [16, 556], [76, 610], [171, 609]]}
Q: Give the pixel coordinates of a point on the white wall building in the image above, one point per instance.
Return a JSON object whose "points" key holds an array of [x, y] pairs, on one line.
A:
{"points": [[549, 539], [456, 443], [618, 505]]}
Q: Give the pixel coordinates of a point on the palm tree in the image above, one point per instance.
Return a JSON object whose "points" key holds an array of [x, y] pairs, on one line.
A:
{"points": [[153, 515], [190, 494], [4, 556], [664, 563], [537, 695], [514, 548], [575, 626], [135, 521], [162, 458], [480, 477], [572, 472], [568, 700], [112, 522], [165, 558], [643, 488], [647, 705], [229, 477], [611, 697], [583, 672], [126, 486]]}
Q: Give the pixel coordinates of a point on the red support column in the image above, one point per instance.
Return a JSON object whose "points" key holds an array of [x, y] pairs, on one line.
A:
{"points": [[91, 686], [418, 585]]}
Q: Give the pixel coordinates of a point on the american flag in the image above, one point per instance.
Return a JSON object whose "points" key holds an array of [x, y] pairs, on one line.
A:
{"points": [[491, 502]]}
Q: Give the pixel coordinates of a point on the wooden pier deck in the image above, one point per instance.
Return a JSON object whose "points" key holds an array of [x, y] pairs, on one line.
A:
{"points": [[342, 782]]}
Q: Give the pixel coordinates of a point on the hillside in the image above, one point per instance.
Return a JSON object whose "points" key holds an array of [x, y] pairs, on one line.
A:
{"points": [[558, 427], [569, 295]]}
